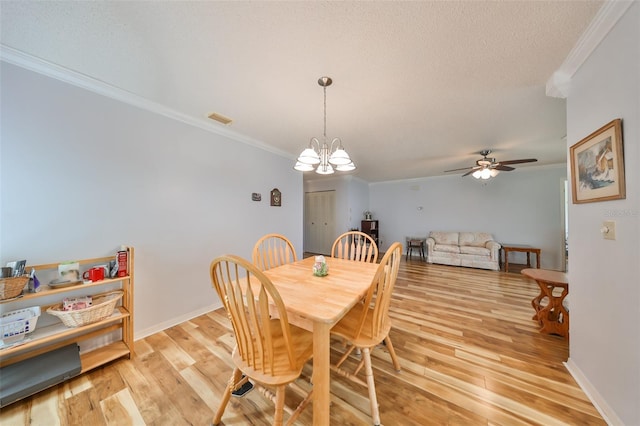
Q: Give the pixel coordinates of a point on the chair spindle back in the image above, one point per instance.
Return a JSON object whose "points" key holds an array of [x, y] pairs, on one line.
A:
{"points": [[246, 294], [355, 245], [378, 297], [273, 250]]}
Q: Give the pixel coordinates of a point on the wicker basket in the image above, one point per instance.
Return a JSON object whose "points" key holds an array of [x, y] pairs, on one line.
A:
{"points": [[12, 286], [101, 308]]}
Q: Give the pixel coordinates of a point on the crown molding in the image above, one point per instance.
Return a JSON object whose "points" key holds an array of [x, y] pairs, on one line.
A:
{"points": [[40, 66], [609, 14]]}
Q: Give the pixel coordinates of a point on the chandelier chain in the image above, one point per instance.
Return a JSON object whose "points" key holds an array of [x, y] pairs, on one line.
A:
{"points": [[325, 113]]}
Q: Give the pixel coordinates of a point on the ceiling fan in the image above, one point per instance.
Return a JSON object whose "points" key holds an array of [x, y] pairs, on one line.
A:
{"points": [[489, 167]]}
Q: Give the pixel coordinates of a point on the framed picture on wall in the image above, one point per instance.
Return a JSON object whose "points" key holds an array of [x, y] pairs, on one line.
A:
{"points": [[597, 165]]}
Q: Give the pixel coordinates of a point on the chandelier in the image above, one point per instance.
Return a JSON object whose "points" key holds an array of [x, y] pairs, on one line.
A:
{"points": [[323, 156]]}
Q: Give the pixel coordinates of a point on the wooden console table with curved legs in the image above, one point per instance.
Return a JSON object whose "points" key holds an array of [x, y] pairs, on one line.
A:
{"points": [[553, 317]]}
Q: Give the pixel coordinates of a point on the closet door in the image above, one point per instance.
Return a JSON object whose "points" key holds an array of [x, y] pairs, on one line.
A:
{"points": [[319, 221]]}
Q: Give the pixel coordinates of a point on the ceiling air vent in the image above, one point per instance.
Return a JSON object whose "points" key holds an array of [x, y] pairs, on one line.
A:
{"points": [[220, 118]]}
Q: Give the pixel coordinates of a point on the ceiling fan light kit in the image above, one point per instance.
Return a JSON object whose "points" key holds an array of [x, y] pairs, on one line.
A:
{"points": [[323, 156], [487, 168], [485, 173]]}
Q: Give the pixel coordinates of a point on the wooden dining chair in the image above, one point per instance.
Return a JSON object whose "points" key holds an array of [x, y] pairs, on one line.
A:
{"points": [[367, 324], [273, 250], [358, 246], [355, 245], [270, 352]]}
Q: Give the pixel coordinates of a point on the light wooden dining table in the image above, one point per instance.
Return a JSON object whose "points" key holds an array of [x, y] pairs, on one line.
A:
{"points": [[317, 304]]}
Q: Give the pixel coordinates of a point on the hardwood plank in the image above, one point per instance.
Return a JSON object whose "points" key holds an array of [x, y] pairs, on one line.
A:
{"points": [[44, 409], [120, 409], [152, 402], [163, 343], [190, 407], [84, 409], [107, 382], [77, 385]]}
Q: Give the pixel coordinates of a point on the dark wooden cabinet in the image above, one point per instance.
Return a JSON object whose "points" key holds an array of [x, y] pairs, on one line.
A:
{"points": [[370, 227]]}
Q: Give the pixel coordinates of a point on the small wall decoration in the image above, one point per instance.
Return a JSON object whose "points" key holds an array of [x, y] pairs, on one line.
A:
{"points": [[276, 197], [597, 165], [255, 196]]}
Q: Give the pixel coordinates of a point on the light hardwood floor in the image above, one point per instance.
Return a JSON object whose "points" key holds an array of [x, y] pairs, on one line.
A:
{"points": [[470, 354]]}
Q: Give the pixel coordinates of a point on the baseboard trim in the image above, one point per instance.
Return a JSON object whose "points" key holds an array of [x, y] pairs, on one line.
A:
{"points": [[141, 334], [594, 396]]}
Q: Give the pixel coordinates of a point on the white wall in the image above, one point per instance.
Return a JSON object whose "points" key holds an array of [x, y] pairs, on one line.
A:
{"points": [[604, 275], [523, 206], [358, 195], [82, 174]]}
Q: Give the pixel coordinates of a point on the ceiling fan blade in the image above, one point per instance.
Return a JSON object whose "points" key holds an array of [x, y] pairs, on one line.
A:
{"points": [[492, 163], [457, 170], [524, 160]]}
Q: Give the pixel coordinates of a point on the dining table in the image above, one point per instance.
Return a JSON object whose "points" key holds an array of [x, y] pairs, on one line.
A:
{"points": [[316, 304]]}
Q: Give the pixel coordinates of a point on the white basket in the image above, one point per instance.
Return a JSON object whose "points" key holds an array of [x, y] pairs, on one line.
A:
{"points": [[16, 324]]}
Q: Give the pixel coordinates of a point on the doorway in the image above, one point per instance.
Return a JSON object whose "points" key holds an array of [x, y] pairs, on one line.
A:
{"points": [[319, 221]]}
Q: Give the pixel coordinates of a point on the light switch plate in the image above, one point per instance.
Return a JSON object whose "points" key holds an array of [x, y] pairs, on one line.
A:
{"points": [[611, 233]]}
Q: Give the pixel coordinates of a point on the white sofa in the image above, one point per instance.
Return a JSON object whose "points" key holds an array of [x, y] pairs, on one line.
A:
{"points": [[473, 249]]}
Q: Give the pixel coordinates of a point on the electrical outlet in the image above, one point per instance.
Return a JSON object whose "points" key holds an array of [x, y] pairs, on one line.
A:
{"points": [[608, 230]]}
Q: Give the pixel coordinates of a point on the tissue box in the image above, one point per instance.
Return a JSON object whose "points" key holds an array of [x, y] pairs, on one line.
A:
{"points": [[73, 304]]}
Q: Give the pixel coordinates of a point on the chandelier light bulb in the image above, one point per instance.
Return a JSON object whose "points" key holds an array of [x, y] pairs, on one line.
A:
{"points": [[309, 156], [339, 157], [324, 169], [301, 167]]}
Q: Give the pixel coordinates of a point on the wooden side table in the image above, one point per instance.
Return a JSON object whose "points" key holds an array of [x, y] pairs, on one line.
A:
{"points": [[552, 317], [521, 248], [416, 243]]}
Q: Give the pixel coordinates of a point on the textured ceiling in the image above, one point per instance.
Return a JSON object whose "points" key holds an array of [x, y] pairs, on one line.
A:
{"points": [[419, 87]]}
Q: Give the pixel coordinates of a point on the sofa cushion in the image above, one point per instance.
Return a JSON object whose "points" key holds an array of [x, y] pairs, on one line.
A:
{"points": [[446, 248], [481, 251], [449, 238], [474, 239]]}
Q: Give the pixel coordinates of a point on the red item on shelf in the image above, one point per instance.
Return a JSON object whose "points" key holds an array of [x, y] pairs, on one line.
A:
{"points": [[121, 258]]}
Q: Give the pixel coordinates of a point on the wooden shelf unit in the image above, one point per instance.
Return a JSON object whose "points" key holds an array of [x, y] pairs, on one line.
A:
{"points": [[370, 227], [49, 337]]}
